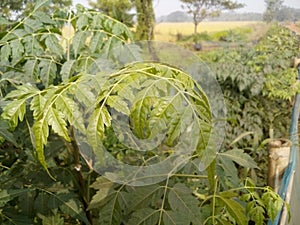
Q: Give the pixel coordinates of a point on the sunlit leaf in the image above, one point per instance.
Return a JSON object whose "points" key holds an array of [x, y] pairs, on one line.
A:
{"points": [[57, 122]]}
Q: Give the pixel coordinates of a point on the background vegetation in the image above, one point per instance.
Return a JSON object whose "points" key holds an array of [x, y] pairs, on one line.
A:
{"points": [[45, 70]]}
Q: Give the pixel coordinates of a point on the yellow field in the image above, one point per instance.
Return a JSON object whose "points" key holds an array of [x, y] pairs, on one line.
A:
{"points": [[168, 31]]}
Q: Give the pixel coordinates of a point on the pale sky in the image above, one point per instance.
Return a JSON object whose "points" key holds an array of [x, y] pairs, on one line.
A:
{"points": [[164, 7]]}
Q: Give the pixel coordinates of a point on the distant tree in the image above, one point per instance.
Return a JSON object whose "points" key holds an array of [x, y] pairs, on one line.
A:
{"points": [[201, 9], [145, 19], [118, 9], [272, 8], [285, 14], [7, 8], [15, 9]]}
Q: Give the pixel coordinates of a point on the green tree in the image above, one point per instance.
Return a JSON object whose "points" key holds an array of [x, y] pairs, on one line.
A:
{"points": [[15, 9], [117, 9], [272, 7], [145, 19], [8, 8], [54, 67], [201, 9], [286, 14]]}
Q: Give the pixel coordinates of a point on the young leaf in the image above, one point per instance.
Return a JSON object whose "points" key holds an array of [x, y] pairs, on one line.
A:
{"points": [[41, 133], [70, 111], [118, 104], [57, 121], [273, 203], [15, 111], [140, 113], [37, 105], [95, 130]]}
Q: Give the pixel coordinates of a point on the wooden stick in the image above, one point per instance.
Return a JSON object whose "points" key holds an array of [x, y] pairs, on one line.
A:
{"points": [[284, 214], [279, 152]]}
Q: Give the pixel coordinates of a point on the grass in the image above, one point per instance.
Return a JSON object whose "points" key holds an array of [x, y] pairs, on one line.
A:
{"points": [[168, 31]]}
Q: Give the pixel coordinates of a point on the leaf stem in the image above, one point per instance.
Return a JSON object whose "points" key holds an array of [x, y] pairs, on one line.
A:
{"points": [[82, 184], [214, 201], [163, 202]]}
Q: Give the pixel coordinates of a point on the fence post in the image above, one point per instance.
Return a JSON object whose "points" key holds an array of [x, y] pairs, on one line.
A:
{"points": [[279, 153]]}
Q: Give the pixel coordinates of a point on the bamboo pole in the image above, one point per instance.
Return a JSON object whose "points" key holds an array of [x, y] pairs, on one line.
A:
{"points": [[284, 215], [279, 152], [296, 62]]}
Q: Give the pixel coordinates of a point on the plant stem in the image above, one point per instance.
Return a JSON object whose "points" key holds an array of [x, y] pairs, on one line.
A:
{"points": [[82, 185], [214, 201]]}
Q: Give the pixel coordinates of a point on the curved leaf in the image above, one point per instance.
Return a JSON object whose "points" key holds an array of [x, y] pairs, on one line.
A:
{"points": [[235, 210], [56, 120], [239, 157]]}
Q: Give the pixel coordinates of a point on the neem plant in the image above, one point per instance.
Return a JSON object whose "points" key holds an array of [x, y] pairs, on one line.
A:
{"points": [[61, 81]]}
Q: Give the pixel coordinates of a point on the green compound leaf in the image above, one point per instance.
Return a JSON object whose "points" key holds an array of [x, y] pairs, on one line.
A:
{"points": [[145, 216], [239, 157], [184, 204], [235, 209]]}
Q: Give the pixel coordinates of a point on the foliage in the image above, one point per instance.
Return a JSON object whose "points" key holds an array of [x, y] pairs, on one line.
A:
{"points": [[174, 202], [276, 11], [287, 14], [52, 69], [200, 9], [272, 7], [145, 19], [117, 9], [259, 85], [20, 8], [230, 35], [37, 54]]}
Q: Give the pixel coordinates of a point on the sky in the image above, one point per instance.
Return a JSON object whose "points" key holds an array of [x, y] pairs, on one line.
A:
{"points": [[164, 7]]}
